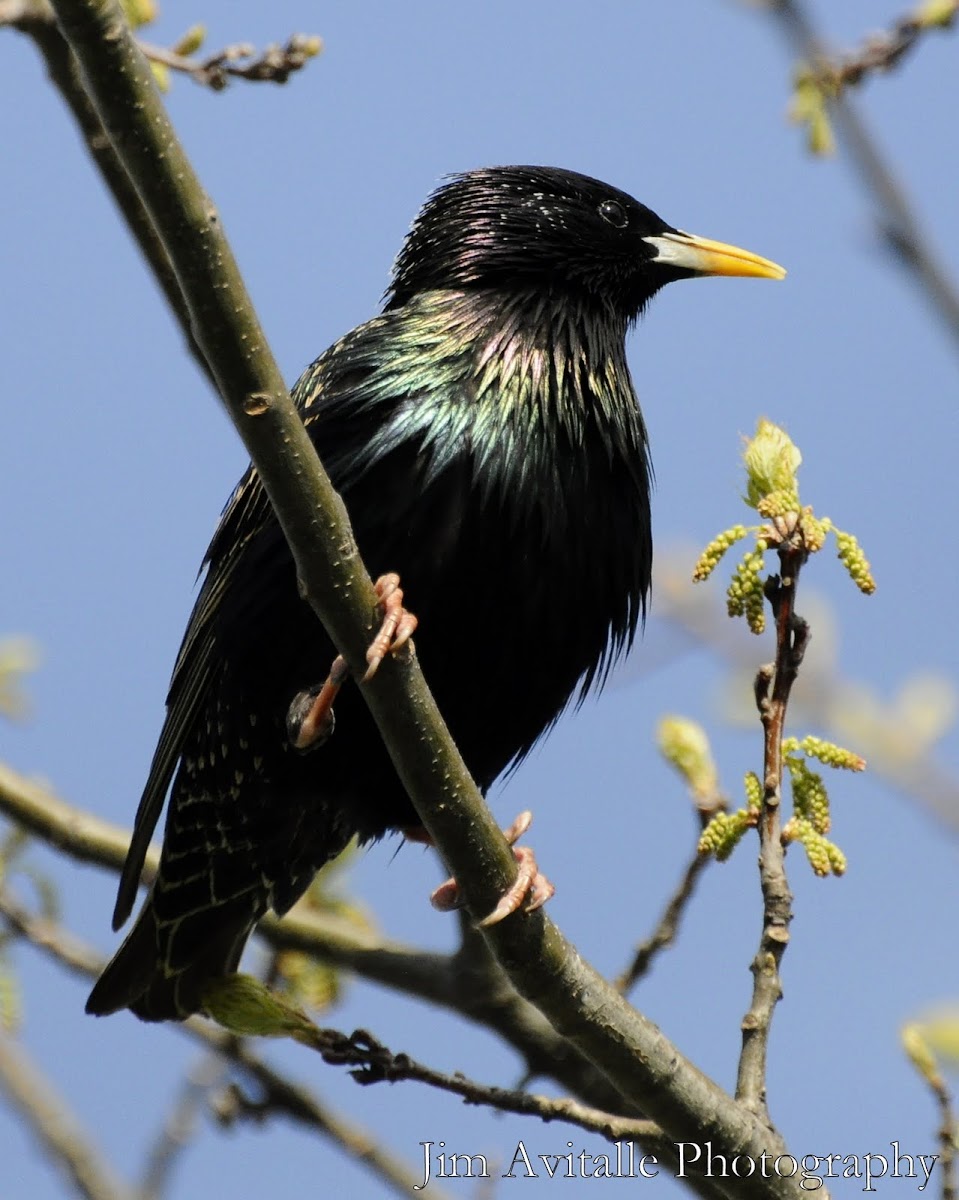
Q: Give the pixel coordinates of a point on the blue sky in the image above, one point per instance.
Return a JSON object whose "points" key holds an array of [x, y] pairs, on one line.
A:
{"points": [[115, 461]]}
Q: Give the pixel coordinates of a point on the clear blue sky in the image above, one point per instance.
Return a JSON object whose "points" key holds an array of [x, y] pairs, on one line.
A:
{"points": [[115, 461]]}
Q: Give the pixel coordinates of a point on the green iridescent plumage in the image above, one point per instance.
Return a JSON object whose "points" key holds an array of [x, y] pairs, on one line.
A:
{"points": [[525, 401]]}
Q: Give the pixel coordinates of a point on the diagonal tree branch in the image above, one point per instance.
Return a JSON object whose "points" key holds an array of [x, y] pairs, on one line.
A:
{"points": [[48, 1117], [83, 836], [372, 1062], [180, 1126]]}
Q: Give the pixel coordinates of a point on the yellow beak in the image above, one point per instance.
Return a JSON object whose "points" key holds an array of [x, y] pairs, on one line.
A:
{"points": [[706, 257]]}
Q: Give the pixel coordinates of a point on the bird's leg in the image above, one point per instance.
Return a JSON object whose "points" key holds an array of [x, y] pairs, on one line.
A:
{"points": [[531, 884], [309, 719]]}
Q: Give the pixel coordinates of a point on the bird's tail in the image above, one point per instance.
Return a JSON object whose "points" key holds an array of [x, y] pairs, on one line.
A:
{"points": [[160, 970]]}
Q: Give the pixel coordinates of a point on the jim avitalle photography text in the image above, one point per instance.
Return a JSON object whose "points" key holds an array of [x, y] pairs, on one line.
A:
{"points": [[871, 1171]]}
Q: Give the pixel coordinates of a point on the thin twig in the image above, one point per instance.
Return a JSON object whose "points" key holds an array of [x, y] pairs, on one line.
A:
{"points": [[709, 801], [281, 1096], [375, 1063], [897, 223], [879, 51], [298, 1103], [275, 64], [948, 1134], [55, 1126], [372, 1062], [773, 687], [667, 926]]}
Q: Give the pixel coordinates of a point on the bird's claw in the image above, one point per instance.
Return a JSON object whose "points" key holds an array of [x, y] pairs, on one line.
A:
{"points": [[398, 625], [530, 885], [309, 719]]}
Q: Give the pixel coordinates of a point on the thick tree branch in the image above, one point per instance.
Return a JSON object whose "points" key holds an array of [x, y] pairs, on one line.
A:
{"points": [[225, 325], [642, 1064]]}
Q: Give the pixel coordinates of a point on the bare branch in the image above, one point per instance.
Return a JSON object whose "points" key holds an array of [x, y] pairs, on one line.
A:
{"points": [[916, 1044], [948, 1133], [79, 834], [275, 64], [279, 1095], [52, 1122], [469, 983], [372, 1062], [881, 51], [296, 1102], [667, 927]]}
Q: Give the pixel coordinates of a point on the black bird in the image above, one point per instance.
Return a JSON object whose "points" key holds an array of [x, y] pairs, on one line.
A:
{"points": [[485, 435]]}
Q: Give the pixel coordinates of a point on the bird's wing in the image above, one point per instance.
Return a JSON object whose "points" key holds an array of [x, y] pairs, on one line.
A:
{"points": [[245, 515]]}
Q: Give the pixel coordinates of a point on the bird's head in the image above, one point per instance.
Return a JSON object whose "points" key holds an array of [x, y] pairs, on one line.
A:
{"points": [[547, 230]]}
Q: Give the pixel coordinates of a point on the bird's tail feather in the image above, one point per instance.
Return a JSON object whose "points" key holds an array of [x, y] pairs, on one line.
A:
{"points": [[159, 986]]}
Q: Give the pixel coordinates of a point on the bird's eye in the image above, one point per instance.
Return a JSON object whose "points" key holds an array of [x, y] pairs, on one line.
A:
{"points": [[614, 213]]}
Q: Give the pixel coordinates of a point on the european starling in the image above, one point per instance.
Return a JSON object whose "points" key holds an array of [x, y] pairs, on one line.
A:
{"points": [[484, 433]]}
